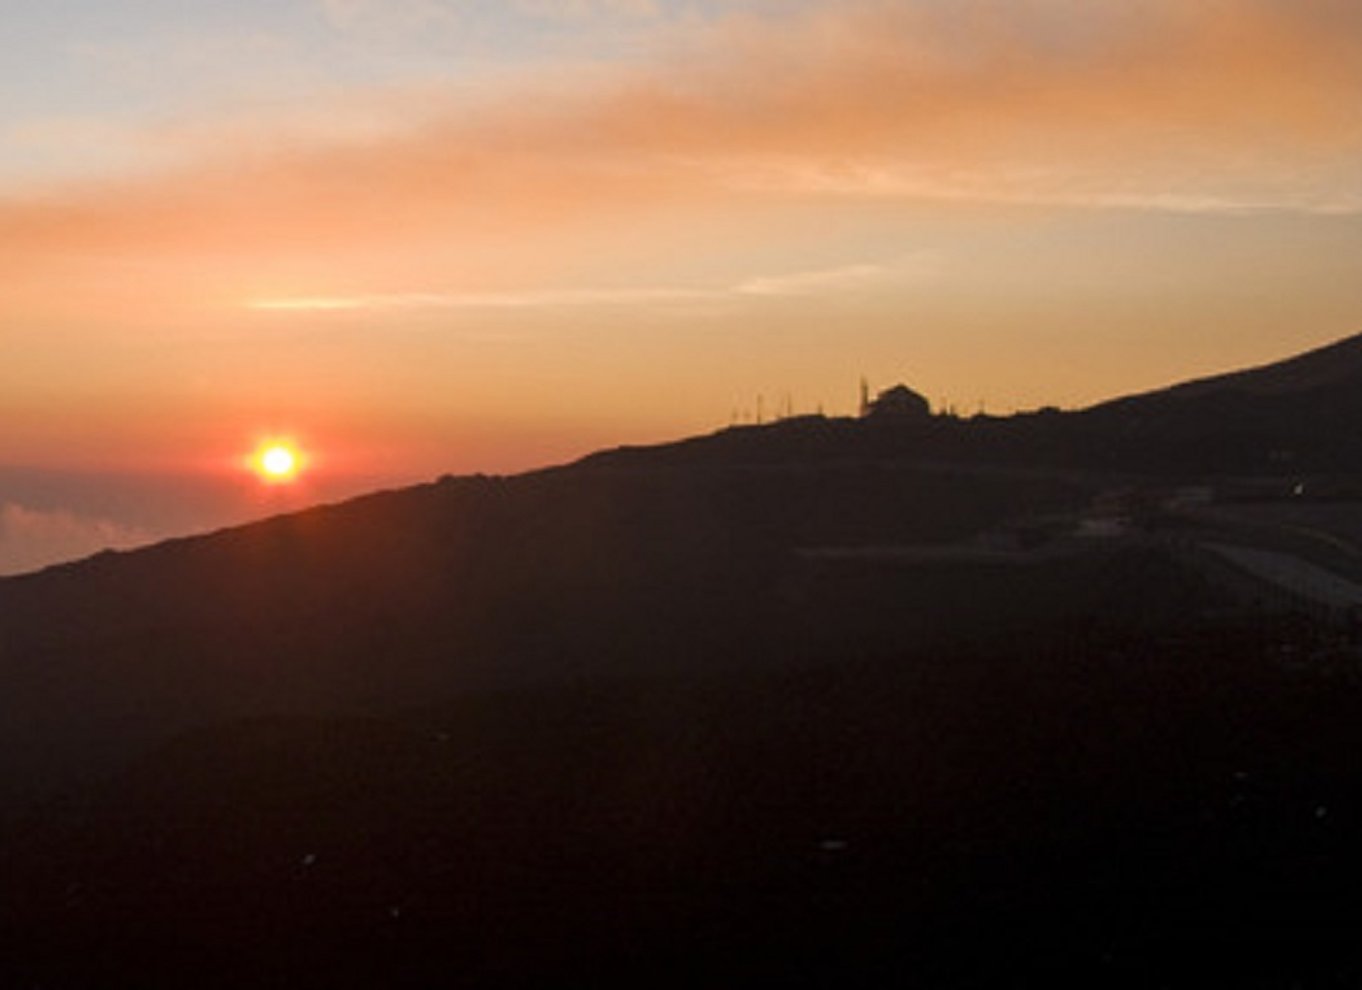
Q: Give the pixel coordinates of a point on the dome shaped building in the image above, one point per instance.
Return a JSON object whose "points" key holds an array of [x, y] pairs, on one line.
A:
{"points": [[898, 403]]}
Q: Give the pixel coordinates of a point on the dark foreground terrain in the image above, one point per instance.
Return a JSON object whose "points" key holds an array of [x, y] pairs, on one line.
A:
{"points": [[826, 704], [1110, 811]]}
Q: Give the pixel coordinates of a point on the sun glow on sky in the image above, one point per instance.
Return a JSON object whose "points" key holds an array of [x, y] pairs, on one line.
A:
{"points": [[488, 235]]}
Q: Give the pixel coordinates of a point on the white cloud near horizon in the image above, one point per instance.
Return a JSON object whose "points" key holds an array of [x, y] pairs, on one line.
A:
{"points": [[31, 539]]}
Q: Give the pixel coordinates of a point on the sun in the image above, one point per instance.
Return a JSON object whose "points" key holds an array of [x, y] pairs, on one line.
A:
{"points": [[278, 461]]}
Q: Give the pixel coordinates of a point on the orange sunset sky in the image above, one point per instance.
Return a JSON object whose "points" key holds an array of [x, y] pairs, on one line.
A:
{"points": [[458, 235]]}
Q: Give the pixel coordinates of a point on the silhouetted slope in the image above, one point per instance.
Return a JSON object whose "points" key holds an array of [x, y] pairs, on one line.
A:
{"points": [[1303, 414], [632, 558], [444, 588], [1331, 367], [703, 712]]}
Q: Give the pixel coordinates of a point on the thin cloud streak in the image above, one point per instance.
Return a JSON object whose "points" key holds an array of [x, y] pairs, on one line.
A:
{"points": [[840, 280], [1065, 190], [848, 278], [483, 300]]}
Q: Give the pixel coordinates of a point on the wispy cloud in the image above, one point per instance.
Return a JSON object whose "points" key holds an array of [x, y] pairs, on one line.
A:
{"points": [[1216, 107], [829, 281], [34, 538], [1049, 187], [847, 278], [541, 299]]}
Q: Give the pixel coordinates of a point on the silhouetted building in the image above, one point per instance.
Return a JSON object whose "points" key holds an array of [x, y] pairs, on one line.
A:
{"points": [[899, 402]]}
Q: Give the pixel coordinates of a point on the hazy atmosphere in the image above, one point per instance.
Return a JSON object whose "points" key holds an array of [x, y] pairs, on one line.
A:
{"points": [[836, 494], [427, 236]]}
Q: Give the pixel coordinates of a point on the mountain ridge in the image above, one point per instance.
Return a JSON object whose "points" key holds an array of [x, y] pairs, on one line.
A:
{"points": [[670, 551], [1335, 367], [833, 702]]}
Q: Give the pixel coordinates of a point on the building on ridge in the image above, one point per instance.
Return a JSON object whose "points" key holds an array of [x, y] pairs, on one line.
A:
{"points": [[899, 402]]}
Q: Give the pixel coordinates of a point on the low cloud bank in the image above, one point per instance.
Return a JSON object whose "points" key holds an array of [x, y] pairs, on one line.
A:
{"points": [[34, 538]]}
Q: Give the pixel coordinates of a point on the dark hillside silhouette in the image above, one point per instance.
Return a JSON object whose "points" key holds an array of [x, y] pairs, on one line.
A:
{"points": [[831, 702], [460, 585]]}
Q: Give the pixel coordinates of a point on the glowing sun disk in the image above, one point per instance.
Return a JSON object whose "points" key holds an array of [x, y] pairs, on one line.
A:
{"points": [[278, 462]]}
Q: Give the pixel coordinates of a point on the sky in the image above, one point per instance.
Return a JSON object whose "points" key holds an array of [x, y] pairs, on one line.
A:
{"points": [[430, 236]]}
